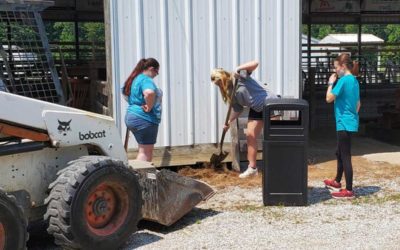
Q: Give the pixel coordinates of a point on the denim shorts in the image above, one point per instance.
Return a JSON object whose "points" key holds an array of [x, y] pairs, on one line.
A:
{"points": [[145, 132]]}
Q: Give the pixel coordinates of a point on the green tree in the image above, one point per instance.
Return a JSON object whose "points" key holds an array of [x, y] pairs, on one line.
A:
{"points": [[93, 40], [393, 36], [323, 31], [351, 28], [393, 33], [375, 29], [92, 32], [65, 31]]}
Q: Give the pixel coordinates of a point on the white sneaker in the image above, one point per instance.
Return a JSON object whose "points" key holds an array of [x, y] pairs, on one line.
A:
{"points": [[249, 172]]}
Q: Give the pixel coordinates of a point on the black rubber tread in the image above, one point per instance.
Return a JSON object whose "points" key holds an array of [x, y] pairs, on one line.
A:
{"points": [[20, 218], [63, 192]]}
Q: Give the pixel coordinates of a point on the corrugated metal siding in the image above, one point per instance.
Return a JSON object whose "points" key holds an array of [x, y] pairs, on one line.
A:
{"points": [[189, 38]]}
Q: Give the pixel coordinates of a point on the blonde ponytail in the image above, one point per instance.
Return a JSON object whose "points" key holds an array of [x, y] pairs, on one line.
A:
{"points": [[224, 80]]}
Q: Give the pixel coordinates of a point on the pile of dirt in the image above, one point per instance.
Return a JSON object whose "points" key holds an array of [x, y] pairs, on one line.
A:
{"points": [[220, 178], [363, 169]]}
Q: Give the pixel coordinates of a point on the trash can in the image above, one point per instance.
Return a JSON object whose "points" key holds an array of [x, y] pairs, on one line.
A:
{"points": [[284, 179]]}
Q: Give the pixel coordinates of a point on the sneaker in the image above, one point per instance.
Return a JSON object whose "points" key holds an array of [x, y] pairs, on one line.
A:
{"points": [[343, 194], [332, 185], [249, 172]]}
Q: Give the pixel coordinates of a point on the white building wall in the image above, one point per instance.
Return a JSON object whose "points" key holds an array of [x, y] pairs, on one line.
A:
{"points": [[191, 37]]}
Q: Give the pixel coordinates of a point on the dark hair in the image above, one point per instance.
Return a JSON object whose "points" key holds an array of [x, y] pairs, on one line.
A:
{"points": [[142, 65], [353, 66]]}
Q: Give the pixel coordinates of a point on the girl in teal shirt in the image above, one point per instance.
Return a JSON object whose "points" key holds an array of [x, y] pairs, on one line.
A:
{"points": [[144, 111], [346, 98]]}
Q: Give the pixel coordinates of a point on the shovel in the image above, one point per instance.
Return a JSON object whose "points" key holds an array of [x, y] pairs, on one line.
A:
{"points": [[217, 158]]}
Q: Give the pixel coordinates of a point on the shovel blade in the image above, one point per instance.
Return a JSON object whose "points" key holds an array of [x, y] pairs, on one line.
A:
{"points": [[217, 158], [168, 196]]}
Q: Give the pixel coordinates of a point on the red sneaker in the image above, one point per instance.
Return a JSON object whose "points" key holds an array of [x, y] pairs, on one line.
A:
{"points": [[332, 184], [343, 194]]}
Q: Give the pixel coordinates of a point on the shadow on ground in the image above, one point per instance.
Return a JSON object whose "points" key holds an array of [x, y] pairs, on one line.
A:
{"points": [[140, 239], [156, 231], [366, 191], [39, 239], [321, 194], [193, 217]]}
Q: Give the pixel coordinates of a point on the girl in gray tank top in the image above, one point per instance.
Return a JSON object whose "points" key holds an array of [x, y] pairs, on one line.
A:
{"points": [[248, 93]]}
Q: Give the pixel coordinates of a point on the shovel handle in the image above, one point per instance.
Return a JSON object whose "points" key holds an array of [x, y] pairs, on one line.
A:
{"points": [[126, 140], [228, 114], [222, 140]]}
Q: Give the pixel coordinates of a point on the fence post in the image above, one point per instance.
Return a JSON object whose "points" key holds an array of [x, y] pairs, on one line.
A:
{"points": [[313, 98]]}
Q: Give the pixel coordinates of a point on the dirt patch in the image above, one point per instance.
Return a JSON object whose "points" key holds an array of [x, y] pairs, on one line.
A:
{"points": [[220, 178], [363, 170], [322, 165], [362, 167], [392, 158]]}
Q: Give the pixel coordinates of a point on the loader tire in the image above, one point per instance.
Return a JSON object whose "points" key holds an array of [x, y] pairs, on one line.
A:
{"points": [[95, 203], [13, 232]]}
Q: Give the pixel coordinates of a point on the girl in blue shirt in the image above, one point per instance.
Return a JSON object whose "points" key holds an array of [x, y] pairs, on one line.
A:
{"points": [[346, 98], [144, 111]]}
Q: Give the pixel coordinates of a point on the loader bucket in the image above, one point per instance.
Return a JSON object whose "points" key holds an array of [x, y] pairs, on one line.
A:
{"points": [[168, 196]]}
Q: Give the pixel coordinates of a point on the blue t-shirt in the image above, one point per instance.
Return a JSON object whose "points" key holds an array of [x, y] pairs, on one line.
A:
{"points": [[347, 92], [136, 99]]}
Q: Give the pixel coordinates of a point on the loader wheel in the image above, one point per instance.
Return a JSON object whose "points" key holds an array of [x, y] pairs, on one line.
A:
{"points": [[13, 233], [95, 203]]}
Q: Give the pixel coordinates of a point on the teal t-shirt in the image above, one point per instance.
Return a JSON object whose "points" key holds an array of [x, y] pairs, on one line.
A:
{"points": [[136, 99], [347, 92]]}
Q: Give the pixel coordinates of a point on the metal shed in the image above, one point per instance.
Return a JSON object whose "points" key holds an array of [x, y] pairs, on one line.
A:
{"points": [[191, 37]]}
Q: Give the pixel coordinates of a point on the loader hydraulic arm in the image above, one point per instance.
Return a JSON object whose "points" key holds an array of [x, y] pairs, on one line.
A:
{"points": [[17, 131]]}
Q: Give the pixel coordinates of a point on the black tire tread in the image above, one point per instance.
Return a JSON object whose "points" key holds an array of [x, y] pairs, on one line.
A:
{"points": [[22, 218], [62, 192]]}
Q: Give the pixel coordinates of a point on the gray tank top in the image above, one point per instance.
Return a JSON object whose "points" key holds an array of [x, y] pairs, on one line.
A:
{"points": [[250, 93]]}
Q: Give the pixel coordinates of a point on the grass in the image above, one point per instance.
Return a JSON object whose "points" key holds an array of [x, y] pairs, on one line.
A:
{"points": [[376, 200], [248, 207], [275, 212], [369, 199]]}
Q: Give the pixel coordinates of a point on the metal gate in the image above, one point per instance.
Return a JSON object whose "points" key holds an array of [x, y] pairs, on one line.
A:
{"points": [[26, 64]]}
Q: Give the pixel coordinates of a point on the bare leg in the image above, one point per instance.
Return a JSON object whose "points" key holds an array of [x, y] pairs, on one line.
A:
{"points": [[254, 128], [145, 152]]}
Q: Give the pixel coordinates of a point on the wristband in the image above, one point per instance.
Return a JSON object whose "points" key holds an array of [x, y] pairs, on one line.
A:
{"points": [[330, 83]]}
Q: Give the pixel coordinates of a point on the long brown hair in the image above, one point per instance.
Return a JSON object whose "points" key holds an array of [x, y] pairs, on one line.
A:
{"points": [[353, 66], [142, 65], [224, 80]]}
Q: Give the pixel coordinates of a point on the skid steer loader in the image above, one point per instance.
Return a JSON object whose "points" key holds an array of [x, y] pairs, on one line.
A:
{"points": [[69, 167]]}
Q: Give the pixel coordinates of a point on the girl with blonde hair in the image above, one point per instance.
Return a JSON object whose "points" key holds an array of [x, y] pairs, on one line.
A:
{"points": [[249, 93], [224, 81]]}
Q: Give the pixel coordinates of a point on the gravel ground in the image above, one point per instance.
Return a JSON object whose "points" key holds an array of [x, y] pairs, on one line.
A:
{"points": [[235, 219]]}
